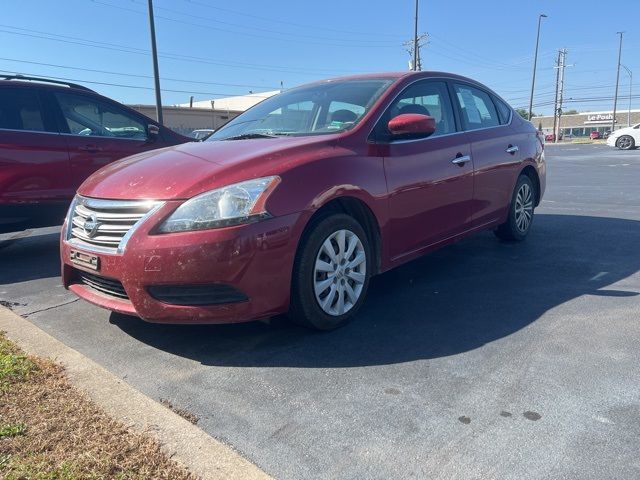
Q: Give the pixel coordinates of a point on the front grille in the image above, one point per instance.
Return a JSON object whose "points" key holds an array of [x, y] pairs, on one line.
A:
{"points": [[106, 286], [105, 223]]}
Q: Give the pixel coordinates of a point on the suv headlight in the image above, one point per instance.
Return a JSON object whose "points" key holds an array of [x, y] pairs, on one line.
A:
{"points": [[242, 202]]}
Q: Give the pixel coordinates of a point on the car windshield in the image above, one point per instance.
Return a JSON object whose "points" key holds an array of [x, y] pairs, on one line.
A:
{"points": [[328, 107]]}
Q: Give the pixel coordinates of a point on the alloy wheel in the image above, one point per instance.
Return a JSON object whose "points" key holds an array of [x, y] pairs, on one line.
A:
{"points": [[339, 272], [524, 207], [624, 143]]}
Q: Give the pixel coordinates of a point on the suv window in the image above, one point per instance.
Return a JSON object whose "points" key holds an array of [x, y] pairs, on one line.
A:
{"points": [[477, 108], [20, 109], [504, 111], [87, 116], [426, 98]]}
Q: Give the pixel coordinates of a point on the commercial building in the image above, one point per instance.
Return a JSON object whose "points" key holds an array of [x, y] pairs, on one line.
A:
{"points": [[582, 124]]}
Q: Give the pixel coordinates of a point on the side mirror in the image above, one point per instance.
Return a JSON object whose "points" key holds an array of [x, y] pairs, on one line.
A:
{"points": [[153, 131], [412, 125]]}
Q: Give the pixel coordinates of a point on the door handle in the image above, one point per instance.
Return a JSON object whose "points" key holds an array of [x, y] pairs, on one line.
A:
{"points": [[460, 160], [512, 149], [90, 148]]}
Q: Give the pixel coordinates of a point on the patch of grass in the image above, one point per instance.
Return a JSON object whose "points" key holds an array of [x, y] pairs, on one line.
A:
{"points": [[51, 431], [12, 430], [14, 367]]}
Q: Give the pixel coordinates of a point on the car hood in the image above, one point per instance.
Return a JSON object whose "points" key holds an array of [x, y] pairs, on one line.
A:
{"points": [[183, 171]]}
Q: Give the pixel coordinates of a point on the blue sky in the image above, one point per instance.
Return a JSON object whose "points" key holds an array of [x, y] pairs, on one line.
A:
{"points": [[215, 48]]}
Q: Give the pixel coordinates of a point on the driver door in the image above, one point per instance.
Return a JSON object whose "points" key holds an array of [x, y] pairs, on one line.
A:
{"points": [[98, 133]]}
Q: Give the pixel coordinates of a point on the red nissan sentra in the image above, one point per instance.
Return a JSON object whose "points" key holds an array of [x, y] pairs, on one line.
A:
{"points": [[293, 205]]}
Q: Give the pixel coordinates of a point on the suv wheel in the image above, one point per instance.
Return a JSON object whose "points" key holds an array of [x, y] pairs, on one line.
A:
{"points": [[331, 273]]}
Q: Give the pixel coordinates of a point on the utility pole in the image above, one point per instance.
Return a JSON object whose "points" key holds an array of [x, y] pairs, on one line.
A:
{"points": [[630, 90], [156, 73], [555, 102], [535, 63], [562, 63], [615, 97], [415, 41], [415, 65]]}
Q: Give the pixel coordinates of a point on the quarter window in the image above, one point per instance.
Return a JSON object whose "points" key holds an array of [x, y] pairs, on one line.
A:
{"points": [[504, 111], [20, 109], [90, 117], [478, 110]]}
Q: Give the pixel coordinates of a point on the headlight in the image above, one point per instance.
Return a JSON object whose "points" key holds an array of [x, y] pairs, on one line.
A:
{"points": [[232, 205]]}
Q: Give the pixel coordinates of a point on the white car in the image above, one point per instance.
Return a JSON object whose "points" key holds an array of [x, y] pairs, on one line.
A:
{"points": [[626, 138]]}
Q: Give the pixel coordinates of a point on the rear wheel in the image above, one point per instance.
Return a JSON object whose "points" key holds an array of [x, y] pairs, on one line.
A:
{"points": [[331, 273], [625, 142], [520, 215]]}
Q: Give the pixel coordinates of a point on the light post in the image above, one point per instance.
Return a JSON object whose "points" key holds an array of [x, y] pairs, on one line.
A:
{"points": [[535, 63], [154, 54], [630, 89], [615, 98]]}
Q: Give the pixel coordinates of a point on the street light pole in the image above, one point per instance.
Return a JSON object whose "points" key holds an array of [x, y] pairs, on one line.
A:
{"points": [[630, 90], [415, 41], [156, 74], [535, 63], [615, 98]]}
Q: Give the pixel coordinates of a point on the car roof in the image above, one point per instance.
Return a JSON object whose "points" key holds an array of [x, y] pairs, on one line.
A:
{"points": [[40, 82]]}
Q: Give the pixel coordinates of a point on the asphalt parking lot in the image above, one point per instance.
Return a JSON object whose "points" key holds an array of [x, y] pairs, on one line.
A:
{"points": [[483, 360]]}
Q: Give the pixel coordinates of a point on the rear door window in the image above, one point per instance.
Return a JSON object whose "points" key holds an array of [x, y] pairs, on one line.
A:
{"points": [[20, 109], [476, 107], [88, 116]]}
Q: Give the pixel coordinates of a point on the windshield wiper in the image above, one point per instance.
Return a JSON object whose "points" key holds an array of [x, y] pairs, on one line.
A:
{"points": [[248, 136]]}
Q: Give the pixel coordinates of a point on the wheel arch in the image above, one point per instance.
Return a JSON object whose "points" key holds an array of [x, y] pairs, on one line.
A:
{"points": [[361, 212], [531, 172]]}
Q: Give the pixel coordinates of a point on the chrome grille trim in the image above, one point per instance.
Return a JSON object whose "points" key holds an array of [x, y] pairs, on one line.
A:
{"points": [[116, 222], [103, 285]]}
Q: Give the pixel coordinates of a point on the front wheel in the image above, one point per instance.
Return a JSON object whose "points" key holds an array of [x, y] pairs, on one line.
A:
{"points": [[625, 142], [331, 273], [520, 216]]}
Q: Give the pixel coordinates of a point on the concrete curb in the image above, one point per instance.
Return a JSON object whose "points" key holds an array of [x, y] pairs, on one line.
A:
{"points": [[184, 442]]}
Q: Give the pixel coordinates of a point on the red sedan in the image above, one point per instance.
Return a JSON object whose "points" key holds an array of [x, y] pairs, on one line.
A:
{"points": [[295, 204], [595, 135]]}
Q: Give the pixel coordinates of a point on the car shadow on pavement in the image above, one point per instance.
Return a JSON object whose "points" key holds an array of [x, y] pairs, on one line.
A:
{"points": [[30, 257], [454, 300]]}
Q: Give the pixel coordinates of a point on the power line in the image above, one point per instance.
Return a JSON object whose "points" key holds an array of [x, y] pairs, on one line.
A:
{"points": [[133, 75], [137, 87], [171, 56], [285, 22], [246, 34]]}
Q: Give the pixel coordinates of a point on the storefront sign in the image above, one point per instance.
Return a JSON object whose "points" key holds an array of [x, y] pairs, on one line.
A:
{"points": [[599, 118]]}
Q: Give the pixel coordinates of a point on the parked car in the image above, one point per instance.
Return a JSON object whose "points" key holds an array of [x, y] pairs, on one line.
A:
{"points": [[626, 138], [551, 137], [296, 203], [53, 135], [595, 135], [201, 133], [606, 134]]}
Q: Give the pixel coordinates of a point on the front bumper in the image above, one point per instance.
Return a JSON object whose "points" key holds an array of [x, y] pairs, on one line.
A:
{"points": [[255, 260], [611, 141]]}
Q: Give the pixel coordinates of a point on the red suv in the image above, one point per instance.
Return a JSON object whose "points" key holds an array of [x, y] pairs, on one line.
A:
{"points": [[53, 135], [296, 203]]}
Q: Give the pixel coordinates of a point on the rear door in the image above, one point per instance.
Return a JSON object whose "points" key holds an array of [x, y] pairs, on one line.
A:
{"points": [[429, 194], [496, 155], [34, 163], [98, 132]]}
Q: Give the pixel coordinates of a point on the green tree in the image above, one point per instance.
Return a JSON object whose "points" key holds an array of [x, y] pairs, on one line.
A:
{"points": [[525, 113]]}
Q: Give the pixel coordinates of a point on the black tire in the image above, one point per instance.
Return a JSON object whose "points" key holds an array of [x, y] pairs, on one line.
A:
{"points": [[510, 230], [305, 309], [626, 142]]}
